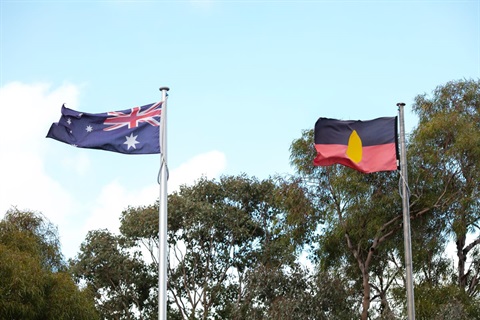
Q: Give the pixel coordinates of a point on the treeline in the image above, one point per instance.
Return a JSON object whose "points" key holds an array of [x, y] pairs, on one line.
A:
{"points": [[324, 243]]}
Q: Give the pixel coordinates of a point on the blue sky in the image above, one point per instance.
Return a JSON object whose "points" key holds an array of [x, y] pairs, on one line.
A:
{"points": [[245, 78]]}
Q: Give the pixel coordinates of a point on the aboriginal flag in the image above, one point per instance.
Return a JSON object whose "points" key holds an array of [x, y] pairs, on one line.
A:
{"points": [[366, 146]]}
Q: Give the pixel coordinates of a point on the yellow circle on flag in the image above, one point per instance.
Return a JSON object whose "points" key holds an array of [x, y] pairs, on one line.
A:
{"points": [[354, 149]]}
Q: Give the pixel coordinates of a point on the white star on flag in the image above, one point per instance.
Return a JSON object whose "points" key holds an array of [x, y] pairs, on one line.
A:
{"points": [[131, 141]]}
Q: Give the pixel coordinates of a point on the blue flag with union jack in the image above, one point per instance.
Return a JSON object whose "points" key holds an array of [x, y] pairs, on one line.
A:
{"points": [[132, 131]]}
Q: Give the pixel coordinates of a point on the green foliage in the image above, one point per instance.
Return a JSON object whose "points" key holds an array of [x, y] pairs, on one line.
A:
{"points": [[221, 230], [22, 284], [67, 301], [448, 137], [293, 293], [446, 145], [439, 302], [220, 234], [34, 282], [122, 283], [30, 232], [140, 223]]}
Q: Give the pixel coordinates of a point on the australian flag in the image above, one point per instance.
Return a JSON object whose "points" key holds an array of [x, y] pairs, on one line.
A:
{"points": [[132, 131]]}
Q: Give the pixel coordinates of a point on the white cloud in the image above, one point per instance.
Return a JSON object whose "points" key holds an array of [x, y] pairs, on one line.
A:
{"points": [[112, 200], [80, 164], [115, 197], [210, 165], [28, 107], [23, 180]]}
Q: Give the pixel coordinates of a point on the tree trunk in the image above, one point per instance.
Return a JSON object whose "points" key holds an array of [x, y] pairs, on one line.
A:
{"points": [[462, 259], [366, 295], [363, 266]]}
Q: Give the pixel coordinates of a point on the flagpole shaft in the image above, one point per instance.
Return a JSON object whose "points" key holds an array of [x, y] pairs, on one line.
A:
{"points": [[406, 215], [162, 208]]}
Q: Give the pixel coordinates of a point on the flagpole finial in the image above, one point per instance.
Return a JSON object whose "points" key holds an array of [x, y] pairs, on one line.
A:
{"points": [[164, 88], [400, 104]]}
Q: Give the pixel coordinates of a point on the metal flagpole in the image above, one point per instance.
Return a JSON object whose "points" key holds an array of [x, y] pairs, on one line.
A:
{"points": [[406, 215], [162, 212]]}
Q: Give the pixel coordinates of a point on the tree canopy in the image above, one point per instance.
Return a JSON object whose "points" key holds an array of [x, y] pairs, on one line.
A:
{"points": [[34, 282], [447, 141]]}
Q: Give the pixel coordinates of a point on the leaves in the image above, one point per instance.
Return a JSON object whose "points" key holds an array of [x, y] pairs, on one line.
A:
{"points": [[122, 282], [446, 145], [34, 282]]}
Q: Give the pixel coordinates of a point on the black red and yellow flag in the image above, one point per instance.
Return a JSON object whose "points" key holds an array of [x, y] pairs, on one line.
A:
{"points": [[366, 146]]}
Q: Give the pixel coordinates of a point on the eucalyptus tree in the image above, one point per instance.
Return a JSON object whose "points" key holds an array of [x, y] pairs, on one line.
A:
{"points": [[35, 282], [362, 219], [121, 281], [221, 234], [446, 144], [297, 294]]}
